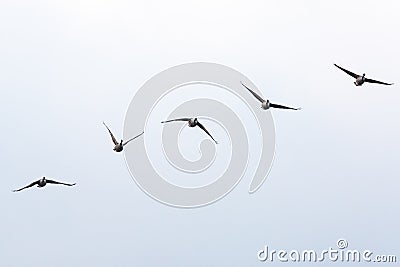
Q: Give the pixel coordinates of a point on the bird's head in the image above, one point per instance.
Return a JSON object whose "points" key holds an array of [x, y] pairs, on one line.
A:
{"points": [[363, 74], [195, 120], [120, 142]]}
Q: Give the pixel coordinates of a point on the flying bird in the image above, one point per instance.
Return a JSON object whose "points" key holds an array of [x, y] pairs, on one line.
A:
{"points": [[193, 122], [266, 104], [361, 79], [119, 146], [41, 183]]}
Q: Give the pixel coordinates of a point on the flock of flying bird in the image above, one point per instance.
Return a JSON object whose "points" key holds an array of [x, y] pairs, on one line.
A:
{"points": [[193, 122]]}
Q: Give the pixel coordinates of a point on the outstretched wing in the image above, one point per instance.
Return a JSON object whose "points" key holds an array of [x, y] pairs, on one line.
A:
{"points": [[181, 119], [348, 72], [55, 182], [204, 129], [112, 136], [375, 81], [253, 93], [132, 138], [282, 107], [30, 185]]}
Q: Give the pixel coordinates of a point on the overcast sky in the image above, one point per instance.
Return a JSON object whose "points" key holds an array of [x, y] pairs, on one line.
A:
{"points": [[68, 65]]}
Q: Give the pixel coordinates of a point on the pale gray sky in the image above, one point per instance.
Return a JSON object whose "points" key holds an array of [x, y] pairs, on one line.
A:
{"points": [[68, 65]]}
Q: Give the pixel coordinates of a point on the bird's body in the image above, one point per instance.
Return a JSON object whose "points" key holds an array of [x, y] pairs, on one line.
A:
{"points": [[361, 79], [42, 183], [119, 146], [193, 122], [265, 103]]}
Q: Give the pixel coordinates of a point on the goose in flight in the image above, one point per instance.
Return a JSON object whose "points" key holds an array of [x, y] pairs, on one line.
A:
{"points": [[41, 183], [361, 79], [118, 147], [193, 122], [266, 104]]}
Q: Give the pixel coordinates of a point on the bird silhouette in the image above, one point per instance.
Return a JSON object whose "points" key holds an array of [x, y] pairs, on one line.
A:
{"points": [[41, 183], [360, 79], [266, 104], [119, 146], [193, 122]]}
